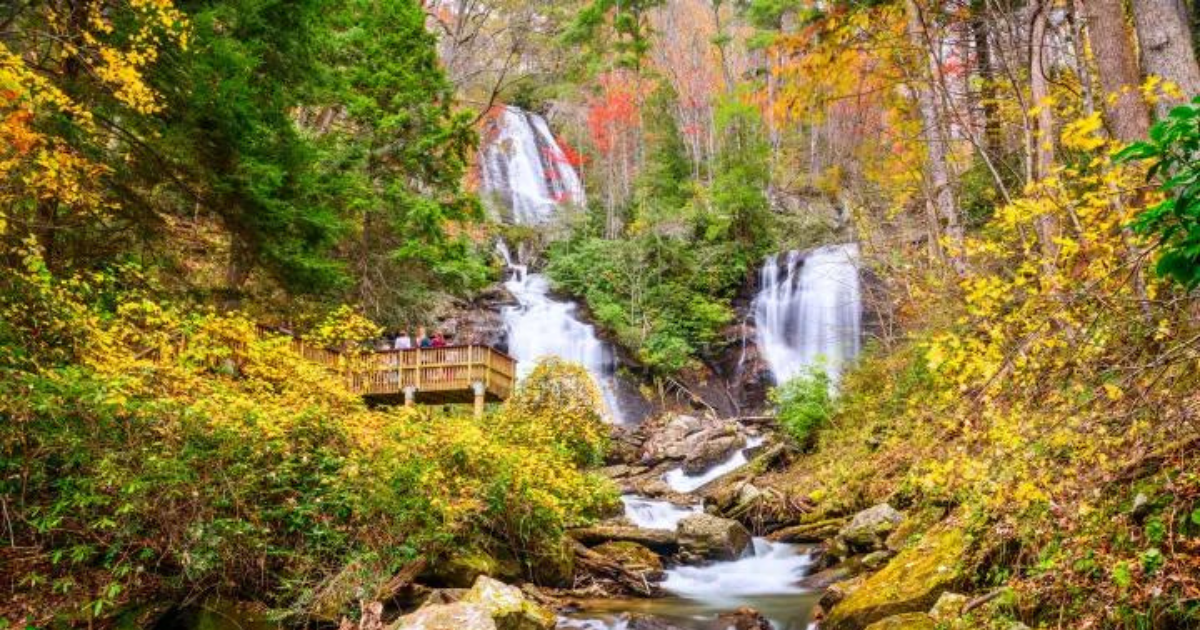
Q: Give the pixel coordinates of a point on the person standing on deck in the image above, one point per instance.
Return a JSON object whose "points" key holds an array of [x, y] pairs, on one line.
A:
{"points": [[423, 338], [403, 341], [438, 341]]}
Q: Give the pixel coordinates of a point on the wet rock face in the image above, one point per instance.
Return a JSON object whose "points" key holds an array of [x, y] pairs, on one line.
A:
{"points": [[712, 537]]}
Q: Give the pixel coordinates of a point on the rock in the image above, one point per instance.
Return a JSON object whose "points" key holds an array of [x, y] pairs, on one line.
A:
{"points": [[948, 607], [877, 559], [689, 437], [809, 533], [907, 621], [747, 494], [911, 582], [663, 541], [1141, 506], [743, 619], [635, 558], [444, 596], [712, 537], [838, 592], [507, 606], [646, 622], [838, 573], [463, 569], [653, 488], [456, 616], [868, 529], [711, 452]]}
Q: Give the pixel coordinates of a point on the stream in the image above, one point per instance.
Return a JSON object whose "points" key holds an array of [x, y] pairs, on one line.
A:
{"points": [[764, 579]]}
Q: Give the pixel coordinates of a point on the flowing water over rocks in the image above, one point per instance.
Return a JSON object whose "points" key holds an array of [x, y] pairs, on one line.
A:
{"points": [[529, 180], [809, 310], [525, 171], [540, 326]]}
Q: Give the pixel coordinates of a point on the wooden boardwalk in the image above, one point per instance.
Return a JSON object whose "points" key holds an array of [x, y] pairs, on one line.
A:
{"points": [[452, 374], [435, 375]]}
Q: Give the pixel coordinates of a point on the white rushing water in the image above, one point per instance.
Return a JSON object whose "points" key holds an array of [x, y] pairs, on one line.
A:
{"points": [[540, 326], [652, 514], [679, 481], [526, 171], [524, 168], [773, 569], [809, 311]]}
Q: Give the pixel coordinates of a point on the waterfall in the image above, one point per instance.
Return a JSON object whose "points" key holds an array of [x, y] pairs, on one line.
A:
{"points": [[809, 310], [525, 171], [540, 326]]}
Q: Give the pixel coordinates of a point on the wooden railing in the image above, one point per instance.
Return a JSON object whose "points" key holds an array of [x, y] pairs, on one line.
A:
{"points": [[435, 375], [434, 370]]}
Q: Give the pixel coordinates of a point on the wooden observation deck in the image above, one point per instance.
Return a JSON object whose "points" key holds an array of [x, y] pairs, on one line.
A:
{"points": [[436, 376], [453, 374]]}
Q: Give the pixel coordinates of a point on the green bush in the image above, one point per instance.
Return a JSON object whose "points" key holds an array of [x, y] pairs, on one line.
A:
{"points": [[805, 404]]}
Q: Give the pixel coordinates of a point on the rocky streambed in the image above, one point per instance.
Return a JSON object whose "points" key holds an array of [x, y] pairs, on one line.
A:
{"points": [[705, 543]]}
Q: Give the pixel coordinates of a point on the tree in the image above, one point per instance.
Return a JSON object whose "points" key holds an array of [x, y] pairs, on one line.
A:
{"points": [[1165, 43], [1118, 70], [401, 151]]}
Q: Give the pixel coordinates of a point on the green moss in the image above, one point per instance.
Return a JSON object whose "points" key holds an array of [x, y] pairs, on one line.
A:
{"points": [[911, 582], [908, 621]]}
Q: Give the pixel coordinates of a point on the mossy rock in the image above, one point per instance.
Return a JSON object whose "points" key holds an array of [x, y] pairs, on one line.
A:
{"points": [[632, 556], [809, 532], [907, 621], [508, 606], [462, 569], [911, 582]]}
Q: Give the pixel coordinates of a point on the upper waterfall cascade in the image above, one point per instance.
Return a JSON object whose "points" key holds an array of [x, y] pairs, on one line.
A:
{"points": [[525, 170], [808, 311]]}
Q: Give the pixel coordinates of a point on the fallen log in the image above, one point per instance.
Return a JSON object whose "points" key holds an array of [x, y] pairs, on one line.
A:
{"points": [[600, 566], [662, 541]]}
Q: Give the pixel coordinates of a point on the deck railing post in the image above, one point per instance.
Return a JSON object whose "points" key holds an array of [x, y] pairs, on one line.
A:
{"points": [[480, 392]]}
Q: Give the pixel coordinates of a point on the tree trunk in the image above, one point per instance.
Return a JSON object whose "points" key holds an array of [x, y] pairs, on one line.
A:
{"points": [[1118, 69], [1165, 41], [938, 189], [1039, 91], [993, 139]]}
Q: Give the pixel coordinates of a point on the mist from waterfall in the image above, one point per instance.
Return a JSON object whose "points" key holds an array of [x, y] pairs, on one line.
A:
{"points": [[525, 170], [809, 311]]}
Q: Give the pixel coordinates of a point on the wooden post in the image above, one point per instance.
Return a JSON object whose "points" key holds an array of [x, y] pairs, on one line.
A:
{"points": [[480, 391]]}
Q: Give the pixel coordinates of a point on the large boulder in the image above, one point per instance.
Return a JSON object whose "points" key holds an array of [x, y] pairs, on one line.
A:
{"points": [[712, 537], [699, 439], [489, 605], [705, 454], [868, 530], [508, 606], [456, 616], [911, 582]]}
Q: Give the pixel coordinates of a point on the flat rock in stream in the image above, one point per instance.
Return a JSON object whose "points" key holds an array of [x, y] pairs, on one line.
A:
{"points": [[663, 541], [711, 451]]}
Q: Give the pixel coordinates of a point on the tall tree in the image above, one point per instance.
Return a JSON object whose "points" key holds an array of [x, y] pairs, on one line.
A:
{"points": [[939, 193], [1165, 42], [1118, 69]]}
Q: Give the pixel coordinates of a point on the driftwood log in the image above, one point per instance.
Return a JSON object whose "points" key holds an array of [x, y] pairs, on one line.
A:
{"points": [[602, 567], [661, 541]]}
